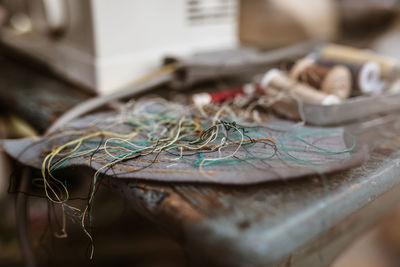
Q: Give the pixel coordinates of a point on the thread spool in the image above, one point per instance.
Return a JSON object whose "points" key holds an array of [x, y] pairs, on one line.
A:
{"points": [[335, 80], [278, 80], [366, 77], [390, 67]]}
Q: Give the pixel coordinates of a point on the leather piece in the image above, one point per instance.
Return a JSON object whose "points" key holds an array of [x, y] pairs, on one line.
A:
{"points": [[168, 168]]}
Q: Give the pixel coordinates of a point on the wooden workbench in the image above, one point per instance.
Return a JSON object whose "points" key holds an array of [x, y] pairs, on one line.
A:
{"points": [[303, 222]]}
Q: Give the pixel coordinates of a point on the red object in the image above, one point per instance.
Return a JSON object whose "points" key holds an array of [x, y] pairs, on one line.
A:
{"points": [[222, 96]]}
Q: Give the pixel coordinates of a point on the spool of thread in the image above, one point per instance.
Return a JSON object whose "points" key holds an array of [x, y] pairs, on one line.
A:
{"points": [[390, 67], [221, 96], [335, 80], [278, 80], [366, 77]]}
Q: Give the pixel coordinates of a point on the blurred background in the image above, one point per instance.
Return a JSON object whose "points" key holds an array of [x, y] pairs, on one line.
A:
{"points": [[100, 46]]}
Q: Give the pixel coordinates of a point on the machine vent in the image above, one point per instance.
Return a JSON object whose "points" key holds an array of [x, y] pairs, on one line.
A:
{"points": [[210, 11]]}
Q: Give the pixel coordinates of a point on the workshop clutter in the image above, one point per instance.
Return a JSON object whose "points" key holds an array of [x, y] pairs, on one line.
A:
{"points": [[331, 75]]}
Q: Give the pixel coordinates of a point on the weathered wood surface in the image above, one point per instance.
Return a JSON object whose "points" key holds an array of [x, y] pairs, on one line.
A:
{"points": [[306, 222], [299, 223]]}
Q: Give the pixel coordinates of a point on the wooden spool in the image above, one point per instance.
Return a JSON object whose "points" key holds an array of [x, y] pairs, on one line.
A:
{"points": [[334, 80], [340, 53], [366, 77], [278, 80]]}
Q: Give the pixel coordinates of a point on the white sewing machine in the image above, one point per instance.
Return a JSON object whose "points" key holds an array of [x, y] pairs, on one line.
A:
{"points": [[104, 45]]}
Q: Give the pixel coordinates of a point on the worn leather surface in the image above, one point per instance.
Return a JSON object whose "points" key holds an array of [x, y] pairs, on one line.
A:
{"points": [[167, 167]]}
